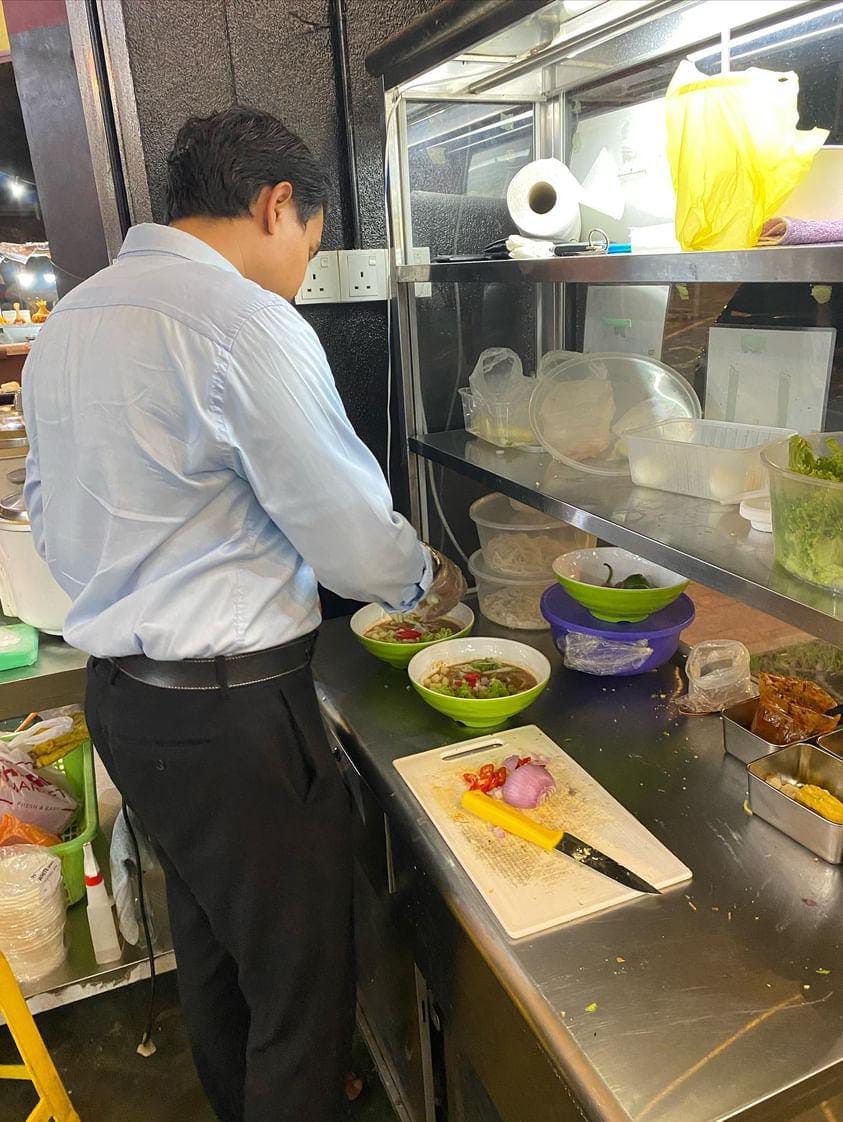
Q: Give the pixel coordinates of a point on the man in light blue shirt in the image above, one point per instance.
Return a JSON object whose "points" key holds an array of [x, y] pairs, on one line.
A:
{"points": [[192, 475]]}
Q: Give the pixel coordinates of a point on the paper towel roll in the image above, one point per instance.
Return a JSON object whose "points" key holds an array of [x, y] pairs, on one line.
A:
{"points": [[544, 201]]}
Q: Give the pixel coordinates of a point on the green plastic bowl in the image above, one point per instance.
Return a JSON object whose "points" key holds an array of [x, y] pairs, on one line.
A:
{"points": [[478, 713], [582, 573], [399, 654]]}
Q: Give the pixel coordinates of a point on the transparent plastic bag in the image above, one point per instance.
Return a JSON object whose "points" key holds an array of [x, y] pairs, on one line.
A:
{"points": [[735, 152], [593, 655], [32, 910], [124, 878], [497, 375], [718, 676]]}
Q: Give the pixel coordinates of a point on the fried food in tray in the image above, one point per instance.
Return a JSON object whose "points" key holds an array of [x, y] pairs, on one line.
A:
{"points": [[791, 709]]}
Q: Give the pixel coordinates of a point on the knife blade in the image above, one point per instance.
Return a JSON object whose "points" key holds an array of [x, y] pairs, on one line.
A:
{"points": [[500, 814]]}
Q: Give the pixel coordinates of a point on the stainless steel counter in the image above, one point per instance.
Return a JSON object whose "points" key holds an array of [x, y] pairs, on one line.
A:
{"points": [[710, 1000]]}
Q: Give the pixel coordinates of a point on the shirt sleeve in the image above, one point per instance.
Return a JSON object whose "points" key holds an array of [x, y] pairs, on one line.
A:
{"points": [[311, 473], [32, 494]]}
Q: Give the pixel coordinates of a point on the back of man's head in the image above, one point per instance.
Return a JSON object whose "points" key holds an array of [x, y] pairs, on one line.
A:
{"points": [[220, 163]]}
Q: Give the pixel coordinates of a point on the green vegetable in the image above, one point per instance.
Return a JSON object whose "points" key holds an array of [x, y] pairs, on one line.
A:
{"points": [[634, 580], [803, 459], [808, 521], [484, 665]]}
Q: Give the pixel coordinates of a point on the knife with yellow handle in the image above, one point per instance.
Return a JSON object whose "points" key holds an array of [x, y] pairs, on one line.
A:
{"points": [[501, 814]]}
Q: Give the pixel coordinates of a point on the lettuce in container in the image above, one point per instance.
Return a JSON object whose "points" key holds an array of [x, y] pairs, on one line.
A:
{"points": [[808, 519]]}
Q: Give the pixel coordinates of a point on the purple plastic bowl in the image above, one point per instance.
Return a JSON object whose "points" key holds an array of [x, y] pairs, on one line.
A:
{"points": [[661, 630]]}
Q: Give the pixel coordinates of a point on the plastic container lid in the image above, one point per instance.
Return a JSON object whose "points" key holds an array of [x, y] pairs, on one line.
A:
{"points": [[561, 610], [582, 409], [497, 512], [756, 509]]}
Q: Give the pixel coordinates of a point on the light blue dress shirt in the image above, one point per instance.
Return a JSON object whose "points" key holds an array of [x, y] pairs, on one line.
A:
{"points": [[192, 471]]}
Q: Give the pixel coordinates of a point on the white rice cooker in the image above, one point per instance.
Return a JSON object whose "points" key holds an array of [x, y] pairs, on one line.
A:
{"points": [[27, 587]]}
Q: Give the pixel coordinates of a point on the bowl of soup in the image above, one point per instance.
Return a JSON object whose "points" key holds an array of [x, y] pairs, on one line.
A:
{"points": [[397, 638], [479, 682]]}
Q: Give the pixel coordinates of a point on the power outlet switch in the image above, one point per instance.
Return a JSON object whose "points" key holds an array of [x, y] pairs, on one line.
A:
{"points": [[363, 274], [321, 284]]}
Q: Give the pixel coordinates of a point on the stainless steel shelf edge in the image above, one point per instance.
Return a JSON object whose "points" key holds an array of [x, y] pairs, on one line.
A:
{"points": [[781, 264], [701, 540]]}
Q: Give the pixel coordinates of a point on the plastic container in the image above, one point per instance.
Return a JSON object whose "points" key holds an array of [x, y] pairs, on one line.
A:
{"points": [[18, 645], [78, 769], [519, 541], [32, 911], [583, 409], [508, 601], [661, 633], [506, 424], [807, 517], [719, 460]]}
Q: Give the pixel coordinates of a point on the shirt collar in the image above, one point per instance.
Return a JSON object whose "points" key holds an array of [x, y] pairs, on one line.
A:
{"points": [[150, 237]]}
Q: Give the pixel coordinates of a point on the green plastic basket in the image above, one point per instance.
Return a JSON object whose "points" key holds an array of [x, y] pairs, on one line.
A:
{"points": [[78, 769]]}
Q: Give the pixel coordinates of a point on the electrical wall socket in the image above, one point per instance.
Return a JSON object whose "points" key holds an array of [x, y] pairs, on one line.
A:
{"points": [[420, 255], [321, 284], [363, 274]]}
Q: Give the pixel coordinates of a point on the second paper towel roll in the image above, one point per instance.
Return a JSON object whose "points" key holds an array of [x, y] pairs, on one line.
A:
{"points": [[544, 201]]}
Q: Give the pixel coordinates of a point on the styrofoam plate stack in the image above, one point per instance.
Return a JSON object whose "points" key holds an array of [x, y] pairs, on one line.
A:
{"points": [[32, 910]]}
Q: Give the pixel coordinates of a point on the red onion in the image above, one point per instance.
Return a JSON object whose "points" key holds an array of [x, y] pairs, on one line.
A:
{"points": [[528, 786], [511, 763]]}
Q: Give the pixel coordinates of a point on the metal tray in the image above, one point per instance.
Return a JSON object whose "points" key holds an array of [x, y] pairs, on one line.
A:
{"points": [[738, 740], [832, 742], [804, 763]]}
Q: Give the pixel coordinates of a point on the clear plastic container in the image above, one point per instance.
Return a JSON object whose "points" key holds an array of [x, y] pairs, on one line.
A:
{"points": [[718, 460], [505, 424], [582, 409], [807, 517], [509, 601], [518, 541]]}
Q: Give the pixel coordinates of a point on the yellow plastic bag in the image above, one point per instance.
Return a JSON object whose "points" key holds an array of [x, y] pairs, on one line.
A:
{"points": [[735, 153]]}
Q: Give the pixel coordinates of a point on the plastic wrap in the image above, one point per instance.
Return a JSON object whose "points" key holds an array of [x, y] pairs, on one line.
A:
{"points": [[32, 911], [603, 657], [718, 676], [792, 709]]}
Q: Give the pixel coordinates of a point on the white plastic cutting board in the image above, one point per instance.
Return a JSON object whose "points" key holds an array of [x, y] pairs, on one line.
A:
{"points": [[527, 888]]}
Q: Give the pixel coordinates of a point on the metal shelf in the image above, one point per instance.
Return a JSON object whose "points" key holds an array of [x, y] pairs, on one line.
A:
{"points": [[702, 540], [781, 264]]}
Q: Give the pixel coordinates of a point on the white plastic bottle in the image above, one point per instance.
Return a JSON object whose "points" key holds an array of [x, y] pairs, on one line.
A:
{"points": [[100, 917]]}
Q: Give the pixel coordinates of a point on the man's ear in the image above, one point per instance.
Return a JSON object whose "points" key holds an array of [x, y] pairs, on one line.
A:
{"points": [[278, 199]]}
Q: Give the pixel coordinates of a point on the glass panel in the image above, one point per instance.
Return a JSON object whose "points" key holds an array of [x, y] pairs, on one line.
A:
{"points": [[461, 158]]}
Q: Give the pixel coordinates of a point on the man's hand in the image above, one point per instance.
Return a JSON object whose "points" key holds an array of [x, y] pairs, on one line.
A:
{"points": [[446, 591]]}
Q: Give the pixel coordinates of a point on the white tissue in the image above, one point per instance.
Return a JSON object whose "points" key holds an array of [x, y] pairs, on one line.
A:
{"points": [[544, 201]]}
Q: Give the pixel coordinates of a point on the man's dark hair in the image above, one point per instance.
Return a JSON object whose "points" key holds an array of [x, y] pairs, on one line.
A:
{"points": [[219, 165]]}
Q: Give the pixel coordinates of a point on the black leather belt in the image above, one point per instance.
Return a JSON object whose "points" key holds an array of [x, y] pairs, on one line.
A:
{"points": [[224, 672]]}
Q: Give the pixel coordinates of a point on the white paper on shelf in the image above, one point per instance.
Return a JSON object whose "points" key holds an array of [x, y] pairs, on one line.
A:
{"points": [[635, 138], [769, 376], [627, 319]]}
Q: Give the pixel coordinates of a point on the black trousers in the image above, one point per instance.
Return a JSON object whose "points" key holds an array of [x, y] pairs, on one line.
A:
{"points": [[240, 794]]}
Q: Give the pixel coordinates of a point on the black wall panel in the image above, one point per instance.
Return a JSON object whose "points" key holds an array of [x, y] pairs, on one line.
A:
{"points": [[199, 55]]}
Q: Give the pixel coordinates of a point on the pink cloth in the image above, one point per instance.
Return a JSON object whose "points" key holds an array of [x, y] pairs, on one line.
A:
{"points": [[801, 231]]}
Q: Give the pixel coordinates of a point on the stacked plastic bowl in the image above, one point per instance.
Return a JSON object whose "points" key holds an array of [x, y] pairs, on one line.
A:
{"points": [[514, 564], [32, 911]]}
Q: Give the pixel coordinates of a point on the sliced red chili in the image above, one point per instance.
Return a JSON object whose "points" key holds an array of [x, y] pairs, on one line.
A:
{"points": [[487, 770], [470, 778], [500, 776], [408, 634], [524, 760]]}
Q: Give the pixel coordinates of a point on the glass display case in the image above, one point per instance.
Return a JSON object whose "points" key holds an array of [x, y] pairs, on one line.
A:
{"points": [[755, 333]]}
